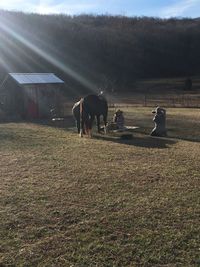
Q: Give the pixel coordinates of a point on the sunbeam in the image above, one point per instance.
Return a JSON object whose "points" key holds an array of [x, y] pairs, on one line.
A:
{"points": [[12, 30], [12, 51]]}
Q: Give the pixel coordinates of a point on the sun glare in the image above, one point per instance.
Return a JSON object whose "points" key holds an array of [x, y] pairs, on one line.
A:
{"points": [[15, 32]]}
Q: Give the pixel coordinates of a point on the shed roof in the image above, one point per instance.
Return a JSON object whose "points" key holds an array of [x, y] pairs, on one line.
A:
{"points": [[35, 78]]}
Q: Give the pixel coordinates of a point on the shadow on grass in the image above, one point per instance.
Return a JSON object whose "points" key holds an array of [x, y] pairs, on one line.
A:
{"points": [[140, 141], [144, 141]]}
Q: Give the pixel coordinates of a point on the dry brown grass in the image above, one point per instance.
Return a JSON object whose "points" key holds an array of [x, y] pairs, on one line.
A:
{"points": [[67, 201]]}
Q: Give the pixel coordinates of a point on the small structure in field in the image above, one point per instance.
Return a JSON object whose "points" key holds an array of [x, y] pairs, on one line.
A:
{"points": [[31, 95], [188, 84], [118, 119], [160, 122]]}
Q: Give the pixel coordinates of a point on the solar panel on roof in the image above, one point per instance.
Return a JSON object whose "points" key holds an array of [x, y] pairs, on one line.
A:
{"points": [[35, 78]]}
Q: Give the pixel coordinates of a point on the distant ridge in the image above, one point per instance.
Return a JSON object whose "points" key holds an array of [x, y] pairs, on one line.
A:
{"points": [[99, 51]]}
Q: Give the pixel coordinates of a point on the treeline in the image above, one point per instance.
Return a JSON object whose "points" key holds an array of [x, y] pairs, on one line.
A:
{"points": [[90, 52]]}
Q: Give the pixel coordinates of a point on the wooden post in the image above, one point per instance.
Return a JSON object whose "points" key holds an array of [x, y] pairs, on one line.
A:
{"points": [[81, 117], [145, 100]]}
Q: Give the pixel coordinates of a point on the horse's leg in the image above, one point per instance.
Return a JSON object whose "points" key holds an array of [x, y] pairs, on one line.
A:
{"points": [[91, 120], [98, 124], [78, 125], [81, 122], [84, 123], [81, 130], [105, 123]]}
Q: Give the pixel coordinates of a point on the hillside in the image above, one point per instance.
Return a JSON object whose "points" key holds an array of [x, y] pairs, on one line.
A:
{"points": [[89, 52]]}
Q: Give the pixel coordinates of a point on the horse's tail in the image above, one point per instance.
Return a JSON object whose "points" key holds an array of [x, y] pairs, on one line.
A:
{"points": [[84, 120]]}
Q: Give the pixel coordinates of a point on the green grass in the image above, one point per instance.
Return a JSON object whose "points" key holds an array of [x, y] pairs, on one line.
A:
{"points": [[70, 201], [182, 123]]}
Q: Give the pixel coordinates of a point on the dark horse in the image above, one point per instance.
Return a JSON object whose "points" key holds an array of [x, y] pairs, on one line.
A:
{"points": [[87, 109]]}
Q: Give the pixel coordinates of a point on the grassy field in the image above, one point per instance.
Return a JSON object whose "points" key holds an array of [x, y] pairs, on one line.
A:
{"points": [[70, 201]]}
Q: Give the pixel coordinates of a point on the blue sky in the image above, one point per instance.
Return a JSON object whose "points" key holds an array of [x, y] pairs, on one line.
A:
{"points": [[156, 8]]}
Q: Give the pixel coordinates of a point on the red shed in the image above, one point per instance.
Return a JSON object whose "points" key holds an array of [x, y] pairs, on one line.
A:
{"points": [[31, 95]]}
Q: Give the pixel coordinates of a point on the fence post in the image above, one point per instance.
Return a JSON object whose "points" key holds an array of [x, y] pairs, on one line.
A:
{"points": [[145, 100]]}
